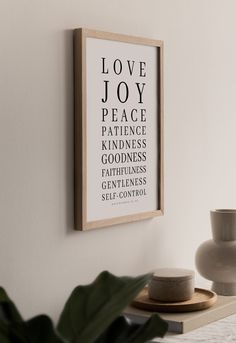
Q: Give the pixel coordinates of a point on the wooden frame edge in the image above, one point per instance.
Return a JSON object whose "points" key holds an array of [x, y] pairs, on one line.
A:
{"points": [[78, 42], [80, 159]]}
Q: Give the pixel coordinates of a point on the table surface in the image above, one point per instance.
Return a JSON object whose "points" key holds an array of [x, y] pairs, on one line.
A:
{"points": [[221, 331]]}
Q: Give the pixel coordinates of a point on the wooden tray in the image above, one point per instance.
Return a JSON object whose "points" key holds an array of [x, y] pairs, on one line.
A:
{"points": [[202, 299]]}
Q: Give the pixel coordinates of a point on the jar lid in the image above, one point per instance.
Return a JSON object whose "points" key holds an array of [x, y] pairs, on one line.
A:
{"points": [[172, 274]]}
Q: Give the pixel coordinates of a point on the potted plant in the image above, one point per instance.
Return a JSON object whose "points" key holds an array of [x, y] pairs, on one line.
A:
{"points": [[92, 314]]}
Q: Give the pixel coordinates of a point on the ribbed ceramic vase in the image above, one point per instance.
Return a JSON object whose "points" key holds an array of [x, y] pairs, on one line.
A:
{"points": [[216, 258]]}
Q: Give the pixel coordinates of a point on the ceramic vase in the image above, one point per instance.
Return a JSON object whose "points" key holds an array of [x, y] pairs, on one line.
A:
{"points": [[216, 258]]}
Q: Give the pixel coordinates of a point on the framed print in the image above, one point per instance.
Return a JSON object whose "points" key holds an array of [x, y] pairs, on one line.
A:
{"points": [[118, 128]]}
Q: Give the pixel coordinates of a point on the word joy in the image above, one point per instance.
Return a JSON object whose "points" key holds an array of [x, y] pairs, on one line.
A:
{"points": [[117, 68]]}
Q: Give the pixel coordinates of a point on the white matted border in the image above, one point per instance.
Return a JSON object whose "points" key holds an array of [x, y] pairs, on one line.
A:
{"points": [[108, 191]]}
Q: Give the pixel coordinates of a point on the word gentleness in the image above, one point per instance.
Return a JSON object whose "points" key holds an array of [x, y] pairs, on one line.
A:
{"points": [[111, 184]]}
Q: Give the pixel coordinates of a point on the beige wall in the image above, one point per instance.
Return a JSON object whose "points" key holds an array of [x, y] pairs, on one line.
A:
{"points": [[41, 258]]}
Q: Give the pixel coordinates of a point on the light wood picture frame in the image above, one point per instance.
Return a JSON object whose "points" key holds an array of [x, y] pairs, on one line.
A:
{"points": [[118, 128]]}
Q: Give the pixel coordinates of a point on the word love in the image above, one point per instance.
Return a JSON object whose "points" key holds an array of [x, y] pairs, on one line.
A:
{"points": [[129, 68]]}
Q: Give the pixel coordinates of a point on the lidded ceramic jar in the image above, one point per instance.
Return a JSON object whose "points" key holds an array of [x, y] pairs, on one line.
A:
{"points": [[171, 285], [216, 258]]}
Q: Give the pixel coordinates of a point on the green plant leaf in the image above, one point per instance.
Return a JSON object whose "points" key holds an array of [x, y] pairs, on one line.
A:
{"points": [[91, 309], [154, 327], [118, 331], [8, 310], [4, 333], [123, 330], [36, 330]]}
